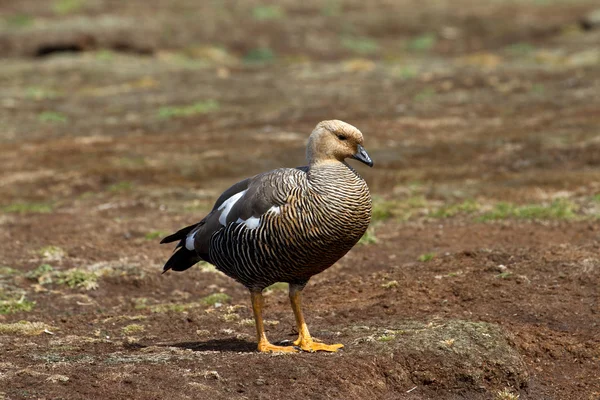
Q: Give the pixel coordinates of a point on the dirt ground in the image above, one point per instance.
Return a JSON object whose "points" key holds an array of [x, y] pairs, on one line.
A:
{"points": [[121, 122]]}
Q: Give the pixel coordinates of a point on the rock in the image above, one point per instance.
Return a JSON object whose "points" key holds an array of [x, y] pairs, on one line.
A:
{"points": [[455, 354]]}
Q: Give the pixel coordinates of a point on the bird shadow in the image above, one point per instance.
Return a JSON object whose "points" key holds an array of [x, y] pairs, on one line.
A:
{"points": [[224, 345]]}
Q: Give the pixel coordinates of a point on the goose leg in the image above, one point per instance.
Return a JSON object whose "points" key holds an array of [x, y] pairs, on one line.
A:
{"points": [[305, 341], [263, 343]]}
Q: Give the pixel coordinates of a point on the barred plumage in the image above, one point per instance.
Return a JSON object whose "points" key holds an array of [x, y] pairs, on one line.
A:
{"points": [[285, 225]]}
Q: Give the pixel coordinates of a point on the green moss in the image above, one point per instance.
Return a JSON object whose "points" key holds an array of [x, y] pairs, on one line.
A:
{"points": [[52, 116], [520, 49], [447, 211], [423, 42], [52, 253], [260, 55], [7, 271], [215, 298], [267, 12], [558, 209], [331, 8], [27, 208], [360, 45], [154, 235], [368, 238], [279, 286], [12, 306], [39, 272], [64, 7], [201, 107], [19, 20], [38, 93], [123, 186], [23, 328], [425, 95], [77, 278], [133, 329], [426, 257]]}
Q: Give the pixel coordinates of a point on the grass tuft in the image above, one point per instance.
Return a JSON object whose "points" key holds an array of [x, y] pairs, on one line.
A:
{"points": [[77, 278], [123, 186], [154, 235], [133, 329], [26, 208], [216, 298], [12, 306], [23, 328], [558, 209], [42, 274], [447, 211], [260, 55], [64, 7], [200, 107], [267, 12], [368, 238], [423, 42], [52, 116], [426, 257], [360, 45], [506, 394]]}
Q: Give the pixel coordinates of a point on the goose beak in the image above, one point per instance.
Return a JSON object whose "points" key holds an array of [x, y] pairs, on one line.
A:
{"points": [[362, 156]]}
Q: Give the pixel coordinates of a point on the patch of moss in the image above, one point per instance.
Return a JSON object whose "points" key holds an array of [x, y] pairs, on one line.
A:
{"points": [[133, 329], [201, 107], [77, 278], [267, 12], [28, 207], [6, 271], [154, 235], [64, 7], [11, 306], [52, 253], [52, 116], [368, 238], [23, 328], [42, 274], [360, 45], [215, 298], [123, 186], [558, 209], [447, 211], [279, 286], [260, 55], [426, 257], [424, 42]]}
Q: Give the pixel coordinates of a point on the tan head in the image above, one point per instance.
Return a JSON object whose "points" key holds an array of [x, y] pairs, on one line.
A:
{"points": [[336, 140]]}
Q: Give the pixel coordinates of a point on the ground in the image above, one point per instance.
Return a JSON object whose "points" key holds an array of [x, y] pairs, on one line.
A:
{"points": [[121, 123]]}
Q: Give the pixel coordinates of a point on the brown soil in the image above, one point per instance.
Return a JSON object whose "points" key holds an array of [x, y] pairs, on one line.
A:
{"points": [[121, 123]]}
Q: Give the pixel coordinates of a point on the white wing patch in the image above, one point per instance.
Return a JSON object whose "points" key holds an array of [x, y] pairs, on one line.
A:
{"points": [[189, 242], [274, 210], [226, 207], [251, 223]]}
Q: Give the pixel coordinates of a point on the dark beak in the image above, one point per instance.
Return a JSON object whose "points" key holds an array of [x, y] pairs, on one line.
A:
{"points": [[362, 156]]}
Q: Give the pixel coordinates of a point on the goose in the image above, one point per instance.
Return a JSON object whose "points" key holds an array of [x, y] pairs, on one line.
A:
{"points": [[285, 225]]}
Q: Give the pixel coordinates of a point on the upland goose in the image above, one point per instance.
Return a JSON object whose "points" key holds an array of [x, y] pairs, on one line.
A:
{"points": [[285, 225]]}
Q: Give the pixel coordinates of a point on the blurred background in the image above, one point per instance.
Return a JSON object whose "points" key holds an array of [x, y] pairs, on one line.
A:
{"points": [[121, 121]]}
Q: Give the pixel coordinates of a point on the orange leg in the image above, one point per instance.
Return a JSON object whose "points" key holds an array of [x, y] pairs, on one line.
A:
{"points": [[264, 346], [305, 341]]}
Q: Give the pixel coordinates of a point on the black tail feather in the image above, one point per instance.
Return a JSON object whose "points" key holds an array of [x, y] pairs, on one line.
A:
{"points": [[181, 260], [179, 235]]}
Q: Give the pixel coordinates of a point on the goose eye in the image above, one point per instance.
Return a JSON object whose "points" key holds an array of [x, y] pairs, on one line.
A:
{"points": [[342, 137]]}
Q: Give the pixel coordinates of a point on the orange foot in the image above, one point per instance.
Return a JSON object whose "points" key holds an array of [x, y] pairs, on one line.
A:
{"points": [[311, 346], [266, 347]]}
